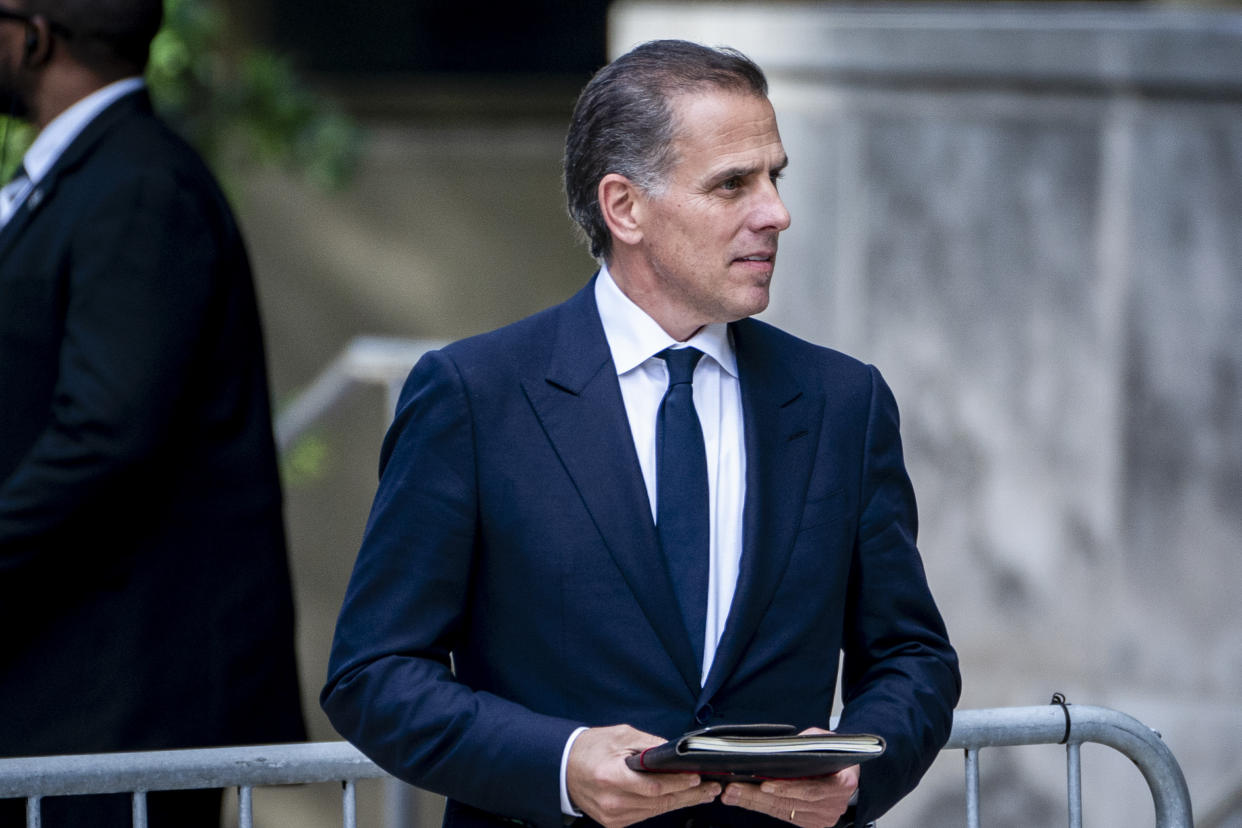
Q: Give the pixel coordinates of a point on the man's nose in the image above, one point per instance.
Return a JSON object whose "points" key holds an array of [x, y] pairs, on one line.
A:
{"points": [[770, 213]]}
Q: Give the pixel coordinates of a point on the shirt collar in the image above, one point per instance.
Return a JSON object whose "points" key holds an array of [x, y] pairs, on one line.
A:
{"points": [[56, 137], [634, 337]]}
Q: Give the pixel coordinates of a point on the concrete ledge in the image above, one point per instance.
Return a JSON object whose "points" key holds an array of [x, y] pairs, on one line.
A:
{"points": [[1084, 46]]}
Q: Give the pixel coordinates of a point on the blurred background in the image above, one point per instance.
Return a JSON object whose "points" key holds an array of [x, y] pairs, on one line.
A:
{"points": [[1029, 216]]}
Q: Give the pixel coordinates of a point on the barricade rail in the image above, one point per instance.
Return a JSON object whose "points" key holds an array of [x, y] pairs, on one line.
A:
{"points": [[365, 361], [1072, 725], [246, 768]]}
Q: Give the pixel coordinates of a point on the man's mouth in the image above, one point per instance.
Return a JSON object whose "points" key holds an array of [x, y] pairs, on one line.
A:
{"points": [[758, 258]]}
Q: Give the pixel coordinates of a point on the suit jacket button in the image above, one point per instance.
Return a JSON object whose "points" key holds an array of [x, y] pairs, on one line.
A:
{"points": [[704, 714]]}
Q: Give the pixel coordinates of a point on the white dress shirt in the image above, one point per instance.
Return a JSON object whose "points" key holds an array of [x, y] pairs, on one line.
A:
{"points": [[56, 137], [634, 339]]}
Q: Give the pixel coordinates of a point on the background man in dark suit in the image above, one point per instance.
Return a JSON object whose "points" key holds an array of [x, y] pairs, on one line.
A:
{"points": [[577, 552], [143, 578]]}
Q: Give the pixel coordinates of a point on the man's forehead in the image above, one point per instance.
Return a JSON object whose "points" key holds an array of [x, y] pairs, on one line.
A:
{"points": [[718, 108], [724, 122]]}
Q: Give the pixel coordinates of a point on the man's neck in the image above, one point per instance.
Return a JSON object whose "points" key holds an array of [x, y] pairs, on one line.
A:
{"points": [[63, 85], [638, 286]]}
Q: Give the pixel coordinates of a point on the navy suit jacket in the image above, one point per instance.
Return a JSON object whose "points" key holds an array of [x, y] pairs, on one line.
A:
{"points": [[142, 553], [510, 585]]}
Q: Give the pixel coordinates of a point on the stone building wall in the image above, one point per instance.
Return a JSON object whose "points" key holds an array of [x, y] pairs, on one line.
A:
{"points": [[1030, 218]]}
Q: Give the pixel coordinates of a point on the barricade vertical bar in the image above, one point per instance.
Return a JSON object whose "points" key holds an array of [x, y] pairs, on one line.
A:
{"points": [[140, 809], [399, 804], [972, 788], [245, 807], [1073, 770], [349, 805], [34, 816]]}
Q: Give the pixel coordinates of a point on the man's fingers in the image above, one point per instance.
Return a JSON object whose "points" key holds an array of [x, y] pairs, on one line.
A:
{"points": [[602, 786], [663, 784], [619, 807], [810, 803], [665, 792], [815, 730], [698, 795], [810, 790], [804, 813]]}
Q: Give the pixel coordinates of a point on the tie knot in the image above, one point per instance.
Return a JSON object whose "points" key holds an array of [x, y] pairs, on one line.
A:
{"points": [[681, 362]]}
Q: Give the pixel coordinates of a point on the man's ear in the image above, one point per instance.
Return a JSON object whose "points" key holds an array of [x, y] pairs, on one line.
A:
{"points": [[38, 46], [623, 206]]}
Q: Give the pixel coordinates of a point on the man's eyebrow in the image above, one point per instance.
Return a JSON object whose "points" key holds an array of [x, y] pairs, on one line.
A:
{"points": [[743, 172]]}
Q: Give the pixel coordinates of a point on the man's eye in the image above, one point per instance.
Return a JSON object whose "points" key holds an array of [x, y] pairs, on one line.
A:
{"points": [[776, 178], [731, 183]]}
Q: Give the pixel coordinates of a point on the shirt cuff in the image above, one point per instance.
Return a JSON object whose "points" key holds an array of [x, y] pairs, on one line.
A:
{"points": [[567, 807]]}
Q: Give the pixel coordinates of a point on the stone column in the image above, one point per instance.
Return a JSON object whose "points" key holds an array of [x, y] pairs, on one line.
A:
{"points": [[1030, 218]]}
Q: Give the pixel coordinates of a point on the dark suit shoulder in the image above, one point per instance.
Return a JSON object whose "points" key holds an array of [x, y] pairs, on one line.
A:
{"points": [[527, 347], [764, 342], [133, 140], [127, 155], [508, 344]]}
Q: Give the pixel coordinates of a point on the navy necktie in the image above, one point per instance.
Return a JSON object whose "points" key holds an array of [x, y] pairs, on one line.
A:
{"points": [[681, 493]]}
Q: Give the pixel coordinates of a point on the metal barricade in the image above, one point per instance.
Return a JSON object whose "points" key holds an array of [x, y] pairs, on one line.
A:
{"points": [[367, 360], [1072, 725], [251, 767], [243, 768]]}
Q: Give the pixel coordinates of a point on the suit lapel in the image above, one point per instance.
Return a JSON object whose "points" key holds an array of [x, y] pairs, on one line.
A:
{"points": [[35, 199], [74, 155], [578, 402], [778, 419]]}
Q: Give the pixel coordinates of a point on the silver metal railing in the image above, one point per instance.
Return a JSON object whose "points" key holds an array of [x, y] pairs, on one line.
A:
{"points": [[243, 768], [1072, 725], [366, 360], [250, 767]]}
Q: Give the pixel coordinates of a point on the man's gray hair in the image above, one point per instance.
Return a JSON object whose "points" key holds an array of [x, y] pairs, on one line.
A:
{"points": [[623, 122]]}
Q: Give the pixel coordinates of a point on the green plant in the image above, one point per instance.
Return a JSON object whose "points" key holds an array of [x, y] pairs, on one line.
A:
{"points": [[239, 103], [236, 102]]}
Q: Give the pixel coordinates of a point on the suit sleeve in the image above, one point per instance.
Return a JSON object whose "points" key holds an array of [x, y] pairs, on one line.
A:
{"points": [[139, 275], [391, 689], [900, 675]]}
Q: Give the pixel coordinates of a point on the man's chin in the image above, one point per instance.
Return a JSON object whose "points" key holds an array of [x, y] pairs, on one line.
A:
{"points": [[755, 302]]}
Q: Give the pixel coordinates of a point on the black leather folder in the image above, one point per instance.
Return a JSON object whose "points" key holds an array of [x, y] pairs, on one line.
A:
{"points": [[754, 752]]}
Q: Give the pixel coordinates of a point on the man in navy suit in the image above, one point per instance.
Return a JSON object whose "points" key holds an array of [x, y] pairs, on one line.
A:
{"points": [[144, 585], [536, 599]]}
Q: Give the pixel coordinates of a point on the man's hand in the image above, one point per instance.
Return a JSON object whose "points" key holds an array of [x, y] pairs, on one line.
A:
{"points": [[605, 789], [811, 803]]}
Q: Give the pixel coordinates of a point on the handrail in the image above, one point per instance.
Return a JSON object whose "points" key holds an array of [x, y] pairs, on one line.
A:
{"points": [[138, 773], [365, 360], [169, 770], [1073, 725], [248, 767]]}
